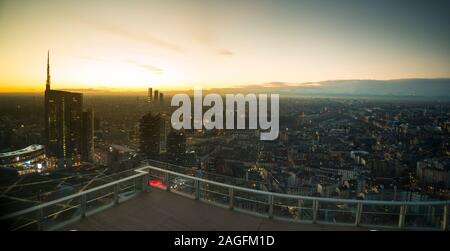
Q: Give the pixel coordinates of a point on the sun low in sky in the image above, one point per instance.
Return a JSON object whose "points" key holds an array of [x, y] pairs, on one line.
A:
{"points": [[131, 45]]}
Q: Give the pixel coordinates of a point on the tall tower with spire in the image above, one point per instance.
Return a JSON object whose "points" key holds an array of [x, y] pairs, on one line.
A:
{"points": [[47, 85], [68, 130]]}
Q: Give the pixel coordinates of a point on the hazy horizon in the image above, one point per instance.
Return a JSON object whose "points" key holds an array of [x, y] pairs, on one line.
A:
{"points": [[401, 88]]}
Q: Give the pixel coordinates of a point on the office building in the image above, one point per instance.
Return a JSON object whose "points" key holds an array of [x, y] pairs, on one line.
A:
{"points": [[63, 126], [156, 95], [176, 147], [161, 98], [153, 131], [149, 96], [87, 139]]}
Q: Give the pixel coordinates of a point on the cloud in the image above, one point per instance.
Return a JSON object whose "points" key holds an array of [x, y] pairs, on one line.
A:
{"points": [[86, 90], [224, 52], [153, 69], [209, 40], [92, 58], [136, 36]]}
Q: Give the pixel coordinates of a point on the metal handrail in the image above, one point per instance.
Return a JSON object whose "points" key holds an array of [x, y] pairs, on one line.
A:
{"points": [[145, 171], [301, 197]]}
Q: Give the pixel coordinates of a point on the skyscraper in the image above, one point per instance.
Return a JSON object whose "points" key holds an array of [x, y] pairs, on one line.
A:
{"points": [[47, 84], [150, 128], [156, 95], [164, 131], [87, 139], [161, 98], [63, 125], [150, 93], [176, 147], [154, 128]]}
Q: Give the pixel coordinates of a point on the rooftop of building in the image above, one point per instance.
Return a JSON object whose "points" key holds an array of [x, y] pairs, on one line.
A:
{"points": [[65, 92], [28, 149], [165, 211]]}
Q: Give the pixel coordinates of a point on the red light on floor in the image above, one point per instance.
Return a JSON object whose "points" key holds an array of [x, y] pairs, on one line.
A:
{"points": [[157, 183]]}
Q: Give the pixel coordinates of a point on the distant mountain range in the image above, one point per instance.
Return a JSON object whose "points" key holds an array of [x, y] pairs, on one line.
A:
{"points": [[397, 87]]}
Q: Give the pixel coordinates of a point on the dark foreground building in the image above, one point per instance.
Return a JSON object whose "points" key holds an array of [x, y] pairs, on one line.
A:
{"points": [[176, 147]]}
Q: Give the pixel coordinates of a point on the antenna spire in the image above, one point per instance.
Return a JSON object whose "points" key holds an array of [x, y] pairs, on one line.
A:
{"points": [[47, 86]]}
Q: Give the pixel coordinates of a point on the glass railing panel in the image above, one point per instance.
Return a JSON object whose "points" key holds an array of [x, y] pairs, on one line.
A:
{"points": [[214, 194], [156, 174], [11, 205], [24, 222], [62, 212], [182, 185], [253, 202], [127, 188], [380, 215], [336, 212], [295, 209], [424, 216], [157, 179], [100, 198], [139, 183]]}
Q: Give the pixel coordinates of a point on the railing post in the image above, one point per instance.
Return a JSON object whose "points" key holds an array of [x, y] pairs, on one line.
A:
{"points": [[231, 195], [271, 206], [167, 180], [299, 209], [145, 182], [83, 206], [445, 218], [402, 216], [315, 210], [359, 208], [116, 194], [197, 189], [40, 219]]}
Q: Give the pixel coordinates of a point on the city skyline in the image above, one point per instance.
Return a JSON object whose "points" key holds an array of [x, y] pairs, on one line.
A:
{"points": [[213, 115], [171, 45]]}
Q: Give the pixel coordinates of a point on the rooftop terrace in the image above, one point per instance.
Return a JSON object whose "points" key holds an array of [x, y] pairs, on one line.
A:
{"points": [[164, 211], [156, 198]]}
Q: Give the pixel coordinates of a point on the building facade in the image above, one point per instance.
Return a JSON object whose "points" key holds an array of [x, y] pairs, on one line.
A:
{"points": [[87, 139], [67, 137]]}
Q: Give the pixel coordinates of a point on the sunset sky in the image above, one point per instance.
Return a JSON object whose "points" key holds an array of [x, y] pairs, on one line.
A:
{"points": [[131, 45]]}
